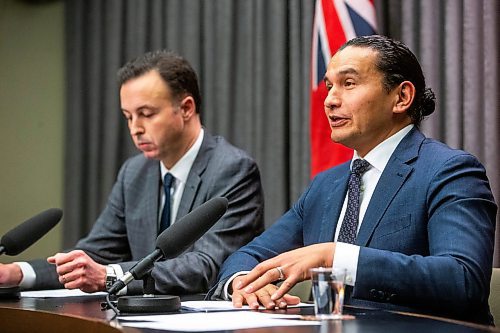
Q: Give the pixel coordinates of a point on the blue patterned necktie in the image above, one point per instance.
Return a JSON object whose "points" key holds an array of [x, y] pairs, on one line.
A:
{"points": [[349, 226], [165, 214]]}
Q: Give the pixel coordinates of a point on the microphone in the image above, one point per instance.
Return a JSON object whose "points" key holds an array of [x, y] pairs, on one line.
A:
{"points": [[24, 235], [176, 239]]}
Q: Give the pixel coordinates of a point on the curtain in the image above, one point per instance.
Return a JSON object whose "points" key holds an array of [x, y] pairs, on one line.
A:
{"points": [[252, 58], [456, 42]]}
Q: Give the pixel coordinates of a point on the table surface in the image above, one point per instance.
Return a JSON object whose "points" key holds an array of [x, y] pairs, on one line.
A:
{"points": [[84, 314]]}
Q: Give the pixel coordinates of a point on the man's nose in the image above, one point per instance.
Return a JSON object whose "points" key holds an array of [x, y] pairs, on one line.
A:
{"points": [[135, 127], [332, 100]]}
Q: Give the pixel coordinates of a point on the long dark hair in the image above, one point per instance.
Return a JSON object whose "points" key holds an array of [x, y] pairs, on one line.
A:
{"points": [[397, 64]]}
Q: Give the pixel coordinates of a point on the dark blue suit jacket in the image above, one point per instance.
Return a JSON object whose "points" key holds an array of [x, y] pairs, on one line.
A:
{"points": [[426, 239]]}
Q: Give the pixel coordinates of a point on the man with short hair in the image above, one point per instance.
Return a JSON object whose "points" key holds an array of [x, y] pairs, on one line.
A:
{"points": [[161, 101]]}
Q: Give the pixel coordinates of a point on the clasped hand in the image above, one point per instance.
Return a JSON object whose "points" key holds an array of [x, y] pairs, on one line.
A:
{"points": [[256, 287], [77, 270]]}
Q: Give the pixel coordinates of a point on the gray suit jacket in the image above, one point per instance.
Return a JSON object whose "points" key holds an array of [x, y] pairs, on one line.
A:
{"points": [[126, 230]]}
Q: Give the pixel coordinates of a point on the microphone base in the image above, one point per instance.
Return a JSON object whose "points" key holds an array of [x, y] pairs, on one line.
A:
{"points": [[149, 304], [10, 293]]}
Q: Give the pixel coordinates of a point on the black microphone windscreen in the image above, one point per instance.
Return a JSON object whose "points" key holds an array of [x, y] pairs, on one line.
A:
{"points": [[24, 235], [182, 234]]}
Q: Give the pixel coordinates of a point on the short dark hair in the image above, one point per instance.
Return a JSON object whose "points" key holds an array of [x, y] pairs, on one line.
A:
{"points": [[176, 71], [397, 64]]}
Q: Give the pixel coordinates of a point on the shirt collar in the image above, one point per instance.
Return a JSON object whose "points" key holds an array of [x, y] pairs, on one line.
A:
{"points": [[180, 170], [379, 156]]}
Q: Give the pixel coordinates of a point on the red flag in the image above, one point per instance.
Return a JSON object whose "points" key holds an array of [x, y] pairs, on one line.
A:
{"points": [[335, 22]]}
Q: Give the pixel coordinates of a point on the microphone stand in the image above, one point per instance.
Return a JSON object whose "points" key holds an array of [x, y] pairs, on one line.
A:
{"points": [[149, 302], [10, 293]]}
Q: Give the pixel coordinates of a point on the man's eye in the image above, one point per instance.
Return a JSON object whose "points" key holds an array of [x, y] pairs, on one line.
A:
{"points": [[328, 86], [349, 83]]}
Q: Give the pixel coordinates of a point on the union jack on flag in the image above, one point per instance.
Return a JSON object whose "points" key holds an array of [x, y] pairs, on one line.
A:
{"points": [[335, 22]]}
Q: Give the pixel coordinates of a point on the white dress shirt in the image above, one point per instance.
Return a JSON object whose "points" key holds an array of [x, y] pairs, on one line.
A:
{"points": [[180, 172], [346, 255]]}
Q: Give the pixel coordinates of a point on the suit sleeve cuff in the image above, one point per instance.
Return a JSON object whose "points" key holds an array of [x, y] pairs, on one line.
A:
{"points": [[119, 273], [346, 257], [29, 275], [226, 293]]}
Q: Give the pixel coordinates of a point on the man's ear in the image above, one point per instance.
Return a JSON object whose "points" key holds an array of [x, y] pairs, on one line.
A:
{"points": [[405, 96], [188, 107]]}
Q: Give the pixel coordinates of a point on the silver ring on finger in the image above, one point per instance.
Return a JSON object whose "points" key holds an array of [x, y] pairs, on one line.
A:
{"points": [[282, 275]]}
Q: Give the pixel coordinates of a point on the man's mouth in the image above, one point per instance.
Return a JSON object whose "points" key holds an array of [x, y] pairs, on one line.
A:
{"points": [[144, 145], [337, 121]]}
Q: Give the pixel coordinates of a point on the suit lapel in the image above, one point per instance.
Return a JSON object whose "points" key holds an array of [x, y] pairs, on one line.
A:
{"points": [[333, 205], [395, 174], [194, 179], [151, 204], [192, 185]]}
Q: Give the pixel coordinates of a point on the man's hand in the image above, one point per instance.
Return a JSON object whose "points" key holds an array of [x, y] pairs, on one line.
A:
{"points": [[78, 271], [10, 275], [261, 296], [294, 265]]}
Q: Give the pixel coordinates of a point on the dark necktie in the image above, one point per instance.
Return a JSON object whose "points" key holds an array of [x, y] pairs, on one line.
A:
{"points": [[351, 218], [165, 214]]}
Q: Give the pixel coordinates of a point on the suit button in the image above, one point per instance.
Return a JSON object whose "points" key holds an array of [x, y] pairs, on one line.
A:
{"points": [[381, 295], [373, 294], [391, 297]]}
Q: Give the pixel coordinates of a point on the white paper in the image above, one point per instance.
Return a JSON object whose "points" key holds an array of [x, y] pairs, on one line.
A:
{"points": [[214, 321], [59, 293], [224, 306]]}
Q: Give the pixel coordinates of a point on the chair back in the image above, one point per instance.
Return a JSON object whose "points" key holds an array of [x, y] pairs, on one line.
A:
{"points": [[494, 299], [302, 290]]}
